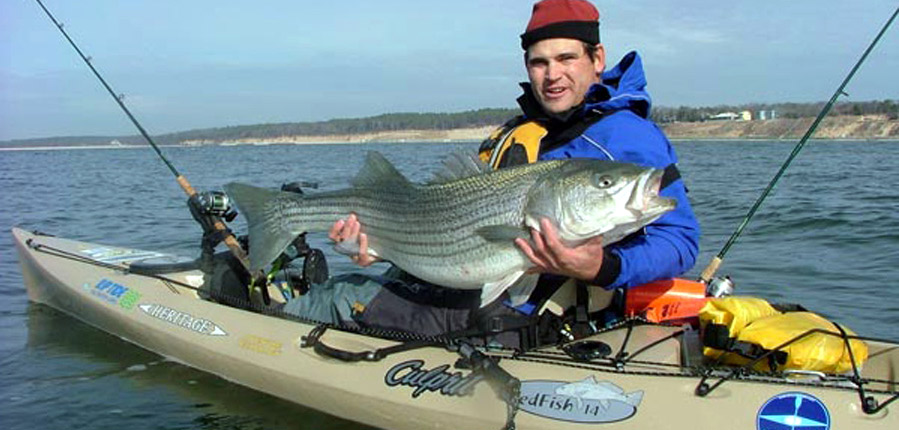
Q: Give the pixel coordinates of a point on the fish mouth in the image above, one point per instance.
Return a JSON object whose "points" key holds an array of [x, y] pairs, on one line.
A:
{"points": [[645, 200]]}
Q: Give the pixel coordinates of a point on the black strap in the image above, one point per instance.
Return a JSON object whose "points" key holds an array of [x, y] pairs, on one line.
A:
{"points": [[717, 336], [516, 155], [313, 339], [423, 292], [671, 174]]}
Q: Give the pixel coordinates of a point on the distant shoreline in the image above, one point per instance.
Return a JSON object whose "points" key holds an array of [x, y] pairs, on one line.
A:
{"points": [[675, 140], [838, 128]]}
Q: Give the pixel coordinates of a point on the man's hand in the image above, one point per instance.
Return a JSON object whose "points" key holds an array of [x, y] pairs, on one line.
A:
{"points": [[349, 229], [550, 255]]}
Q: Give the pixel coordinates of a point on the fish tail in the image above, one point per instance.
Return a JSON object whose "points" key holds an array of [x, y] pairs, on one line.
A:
{"points": [[268, 234]]}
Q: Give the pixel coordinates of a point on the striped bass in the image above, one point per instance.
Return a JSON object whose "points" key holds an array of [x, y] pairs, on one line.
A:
{"points": [[457, 231]]}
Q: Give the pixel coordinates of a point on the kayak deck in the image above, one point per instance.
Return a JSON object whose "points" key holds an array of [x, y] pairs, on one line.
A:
{"points": [[641, 384]]}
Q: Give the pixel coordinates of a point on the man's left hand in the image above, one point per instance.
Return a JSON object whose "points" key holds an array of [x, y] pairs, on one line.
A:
{"points": [[550, 255]]}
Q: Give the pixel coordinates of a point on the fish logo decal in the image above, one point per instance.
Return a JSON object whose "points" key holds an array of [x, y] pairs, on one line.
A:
{"points": [[584, 401], [603, 392]]}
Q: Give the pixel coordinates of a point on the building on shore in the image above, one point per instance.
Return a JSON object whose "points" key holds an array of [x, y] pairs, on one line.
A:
{"points": [[766, 114], [724, 116], [732, 116]]}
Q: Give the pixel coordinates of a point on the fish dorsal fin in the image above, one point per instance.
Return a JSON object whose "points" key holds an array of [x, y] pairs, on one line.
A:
{"points": [[459, 165], [378, 172]]}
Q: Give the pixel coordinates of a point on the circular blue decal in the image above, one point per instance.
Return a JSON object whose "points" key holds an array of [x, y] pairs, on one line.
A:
{"points": [[793, 411]]}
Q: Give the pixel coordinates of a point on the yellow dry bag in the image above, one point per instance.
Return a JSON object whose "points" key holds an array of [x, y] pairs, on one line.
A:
{"points": [[741, 329]]}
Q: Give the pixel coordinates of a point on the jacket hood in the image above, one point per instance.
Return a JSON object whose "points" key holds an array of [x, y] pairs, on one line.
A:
{"points": [[622, 87]]}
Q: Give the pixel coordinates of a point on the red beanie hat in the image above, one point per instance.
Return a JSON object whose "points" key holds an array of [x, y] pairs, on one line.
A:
{"points": [[572, 19]]}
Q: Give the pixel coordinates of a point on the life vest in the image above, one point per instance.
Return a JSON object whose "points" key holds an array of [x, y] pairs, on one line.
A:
{"points": [[738, 330], [515, 142]]}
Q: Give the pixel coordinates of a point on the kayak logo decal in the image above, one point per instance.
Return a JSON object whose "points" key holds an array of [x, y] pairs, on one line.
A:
{"points": [[793, 410], [183, 320], [113, 293], [260, 344], [413, 374], [585, 401]]}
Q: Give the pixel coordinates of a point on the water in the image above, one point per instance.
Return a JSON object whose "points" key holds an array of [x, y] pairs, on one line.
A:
{"points": [[828, 237]]}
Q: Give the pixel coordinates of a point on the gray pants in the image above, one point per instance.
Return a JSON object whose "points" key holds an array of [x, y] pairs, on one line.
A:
{"points": [[391, 301], [335, 300]]}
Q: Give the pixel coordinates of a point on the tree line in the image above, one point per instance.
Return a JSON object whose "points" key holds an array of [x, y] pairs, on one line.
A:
{"points": [[497, 116], [379, 123], [890, 108], [447, 121]]}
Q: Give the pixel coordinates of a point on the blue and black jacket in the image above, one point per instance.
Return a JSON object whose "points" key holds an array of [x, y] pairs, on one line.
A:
{"points": [[613, 124]]}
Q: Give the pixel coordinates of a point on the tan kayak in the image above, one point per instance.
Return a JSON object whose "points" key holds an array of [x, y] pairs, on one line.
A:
{"points": [[642, 384]]}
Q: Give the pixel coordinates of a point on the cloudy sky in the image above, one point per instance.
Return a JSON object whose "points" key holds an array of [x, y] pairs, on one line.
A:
{"points": [[203, 63]]}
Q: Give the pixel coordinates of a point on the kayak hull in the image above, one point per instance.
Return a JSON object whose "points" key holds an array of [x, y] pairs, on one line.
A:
{"points": [[420, 388]]}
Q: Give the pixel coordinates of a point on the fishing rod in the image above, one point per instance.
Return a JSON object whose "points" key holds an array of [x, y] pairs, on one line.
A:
{"points": [[214, 203], [710, 270]]}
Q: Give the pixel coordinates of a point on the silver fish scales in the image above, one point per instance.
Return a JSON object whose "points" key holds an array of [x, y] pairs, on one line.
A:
{"points": [[458, 231]]}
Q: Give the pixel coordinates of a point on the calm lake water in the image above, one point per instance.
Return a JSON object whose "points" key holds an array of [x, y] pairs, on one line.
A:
{"points": [[827, 237]]}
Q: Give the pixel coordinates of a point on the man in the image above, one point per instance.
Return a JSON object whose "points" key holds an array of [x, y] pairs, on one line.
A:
{"points": [[571, 109], [588, 113]]}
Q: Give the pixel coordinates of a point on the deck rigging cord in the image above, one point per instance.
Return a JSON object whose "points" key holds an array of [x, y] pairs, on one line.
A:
{"points": [[710, 270], [215, 221], [711, 376]]}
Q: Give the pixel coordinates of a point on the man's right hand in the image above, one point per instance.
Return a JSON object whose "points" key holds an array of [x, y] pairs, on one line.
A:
{"points": [[349, 229]]}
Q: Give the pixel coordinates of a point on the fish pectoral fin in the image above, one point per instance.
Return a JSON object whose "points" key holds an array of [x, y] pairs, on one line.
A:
{"points": [[492, 290], [521, 290], [501, 233]]}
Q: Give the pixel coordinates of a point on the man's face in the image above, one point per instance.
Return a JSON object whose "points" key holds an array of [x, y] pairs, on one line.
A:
{"points": [[561, 72]]}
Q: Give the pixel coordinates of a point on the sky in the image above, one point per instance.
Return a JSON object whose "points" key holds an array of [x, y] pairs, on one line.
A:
{"points": [[196, 64]]}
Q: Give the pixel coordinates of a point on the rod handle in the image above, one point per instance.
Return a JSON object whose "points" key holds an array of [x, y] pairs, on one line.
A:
{"points": [[233, 245], [710, 270], [188, 189]]}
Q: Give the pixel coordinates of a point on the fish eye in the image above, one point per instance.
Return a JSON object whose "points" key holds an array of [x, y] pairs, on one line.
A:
{"points": [[603, 181]]}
